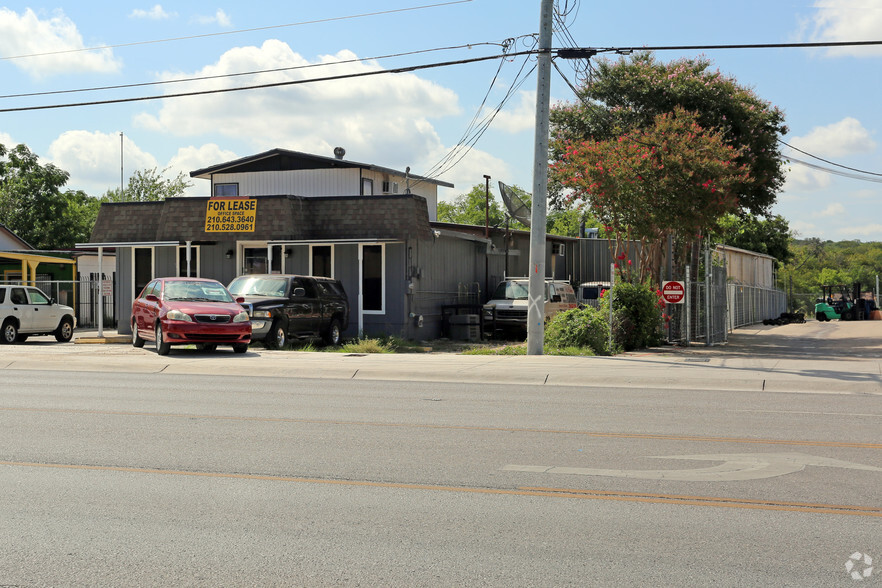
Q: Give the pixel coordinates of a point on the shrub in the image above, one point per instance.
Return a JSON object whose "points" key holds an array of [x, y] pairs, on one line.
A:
{"points": [[637, 318], [579, 327]]}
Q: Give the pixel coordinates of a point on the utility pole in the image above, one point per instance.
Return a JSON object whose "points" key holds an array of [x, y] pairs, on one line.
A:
{"points": [[536, 308]]}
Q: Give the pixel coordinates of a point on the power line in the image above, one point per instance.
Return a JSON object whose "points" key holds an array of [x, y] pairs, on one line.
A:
{"points": [[829, 162], [836, 172], [222, 33], [269, 85], [247, 73], [588, 52]]}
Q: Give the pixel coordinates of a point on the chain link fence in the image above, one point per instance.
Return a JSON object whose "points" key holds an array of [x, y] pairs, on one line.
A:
{"points": [[713, 307]]}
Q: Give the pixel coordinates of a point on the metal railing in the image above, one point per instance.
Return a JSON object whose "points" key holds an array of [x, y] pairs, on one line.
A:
{"points": [[83, 295]]}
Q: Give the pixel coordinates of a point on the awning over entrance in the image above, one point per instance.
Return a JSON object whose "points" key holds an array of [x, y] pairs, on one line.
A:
{"points": [[30, 261]]}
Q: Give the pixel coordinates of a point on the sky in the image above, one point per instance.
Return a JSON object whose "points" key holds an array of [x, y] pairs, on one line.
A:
{"points": [[433, 120]]}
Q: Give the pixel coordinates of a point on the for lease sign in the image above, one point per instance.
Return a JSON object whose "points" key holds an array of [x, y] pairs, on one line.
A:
{"points": [[230, 215]]}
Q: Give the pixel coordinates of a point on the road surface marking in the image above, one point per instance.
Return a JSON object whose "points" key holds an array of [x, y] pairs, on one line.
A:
{"points": [[735, 467], [705, 501]]}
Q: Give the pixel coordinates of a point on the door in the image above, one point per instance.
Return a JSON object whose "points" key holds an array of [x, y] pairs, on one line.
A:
{"points": [[44, 316], [305, 311]]}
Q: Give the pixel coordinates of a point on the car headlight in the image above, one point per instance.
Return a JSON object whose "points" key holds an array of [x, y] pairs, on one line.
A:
{"points": [[262, 314], [242, 317], [177, 315]]}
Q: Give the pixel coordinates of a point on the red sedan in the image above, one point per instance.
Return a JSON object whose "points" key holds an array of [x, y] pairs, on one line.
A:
{"points": [[180, 311]]}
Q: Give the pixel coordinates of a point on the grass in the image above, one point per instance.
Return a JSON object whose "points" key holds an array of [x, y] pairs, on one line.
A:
{"points": [[521, 349], [392, 344]]}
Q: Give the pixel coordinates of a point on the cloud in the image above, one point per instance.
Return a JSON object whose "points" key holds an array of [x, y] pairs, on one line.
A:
{"points": [[7, 141], [847, 20], [220, 18], [803, 178], [93, 159], [521, 117], [379, 118], [845, 137], [833, 209], [870, 231], [56, 40], [155, 13], [191, 158], [802, 228]]}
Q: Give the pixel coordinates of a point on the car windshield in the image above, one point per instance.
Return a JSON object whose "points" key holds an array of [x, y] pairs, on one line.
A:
{"points": [[253, 286], [196, 291], [511, 291]]}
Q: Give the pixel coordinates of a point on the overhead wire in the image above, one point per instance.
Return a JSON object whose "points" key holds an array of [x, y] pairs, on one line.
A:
{"points": [[248, 73], [222, 33], [475, 132], [267, 85]]}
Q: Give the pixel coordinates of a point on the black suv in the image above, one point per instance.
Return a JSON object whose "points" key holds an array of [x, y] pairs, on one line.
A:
{"points": [[284, 307]]}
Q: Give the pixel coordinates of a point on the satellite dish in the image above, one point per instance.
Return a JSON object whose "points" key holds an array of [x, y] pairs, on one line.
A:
{"points": [[519, 210]]}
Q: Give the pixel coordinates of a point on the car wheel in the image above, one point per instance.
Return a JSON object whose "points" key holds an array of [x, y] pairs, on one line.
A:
{"points": [[277, 336], [820, 317], [21, 338], [64, 332], [334, 334], [240, 347], [10, 332], [137, 340], [162, 348]]}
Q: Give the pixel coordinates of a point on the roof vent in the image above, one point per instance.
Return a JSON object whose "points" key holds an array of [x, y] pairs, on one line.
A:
{"points": [[339, 152]]}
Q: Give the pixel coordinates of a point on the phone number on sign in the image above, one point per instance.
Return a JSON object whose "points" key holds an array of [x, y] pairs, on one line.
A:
{"points": [[216, 227]]}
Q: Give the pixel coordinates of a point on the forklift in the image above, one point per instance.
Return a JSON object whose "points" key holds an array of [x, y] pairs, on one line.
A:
{"points": [[837, 302]]}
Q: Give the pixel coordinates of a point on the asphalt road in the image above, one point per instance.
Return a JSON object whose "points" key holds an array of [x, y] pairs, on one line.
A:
{"points": [[666, 468]]}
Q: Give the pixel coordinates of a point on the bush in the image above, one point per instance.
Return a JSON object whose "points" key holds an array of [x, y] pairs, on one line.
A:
{"points": [[579, 327], [637, 318]]}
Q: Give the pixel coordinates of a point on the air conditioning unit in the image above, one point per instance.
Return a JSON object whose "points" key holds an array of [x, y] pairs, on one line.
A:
{"points": [[390, 187], [557, 249]]}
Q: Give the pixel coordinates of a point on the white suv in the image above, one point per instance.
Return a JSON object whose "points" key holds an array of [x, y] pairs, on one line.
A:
{"points": [[26, 311], [507, 307]]}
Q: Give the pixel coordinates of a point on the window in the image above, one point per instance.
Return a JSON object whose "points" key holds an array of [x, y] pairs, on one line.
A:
{"points": [[321, 261], [18, 296], [255, 260], [2, 295], [37, 297], [372, 278], [226, 189], [367, 187]]}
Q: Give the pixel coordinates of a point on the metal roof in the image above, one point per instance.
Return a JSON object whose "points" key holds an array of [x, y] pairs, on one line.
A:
{"points": [[306, 161]]}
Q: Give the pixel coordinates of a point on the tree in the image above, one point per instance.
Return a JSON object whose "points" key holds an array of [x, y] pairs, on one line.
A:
{"points": [[33, 205], [468, 209], [770, 235], [149, 185], [630, 93], [673, 178]]}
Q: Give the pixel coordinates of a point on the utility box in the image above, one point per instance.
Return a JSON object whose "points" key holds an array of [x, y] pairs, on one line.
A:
{"points": [[465, 327]]}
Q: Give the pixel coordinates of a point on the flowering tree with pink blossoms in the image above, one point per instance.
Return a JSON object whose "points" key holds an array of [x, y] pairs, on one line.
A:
{"points": [[672, 178]]}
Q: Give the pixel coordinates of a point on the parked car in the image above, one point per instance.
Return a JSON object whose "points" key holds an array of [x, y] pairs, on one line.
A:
{"points": [[180, 311], [286, 306], [26, 311], [507, 307]]}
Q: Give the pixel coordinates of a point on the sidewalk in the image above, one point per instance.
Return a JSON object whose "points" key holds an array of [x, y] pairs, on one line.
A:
{"points": [[830, 358]]}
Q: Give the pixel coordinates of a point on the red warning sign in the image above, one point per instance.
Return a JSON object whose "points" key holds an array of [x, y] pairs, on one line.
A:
{"points": [[673, 292]]}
